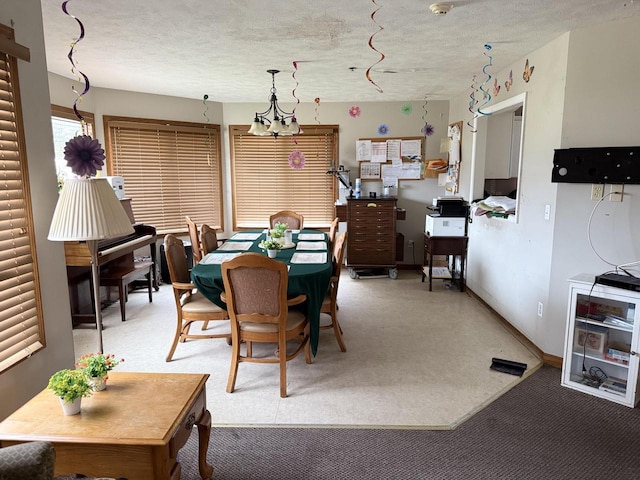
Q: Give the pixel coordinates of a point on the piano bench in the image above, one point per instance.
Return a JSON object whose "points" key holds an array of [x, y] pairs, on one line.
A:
{"points": [[121, 277]]}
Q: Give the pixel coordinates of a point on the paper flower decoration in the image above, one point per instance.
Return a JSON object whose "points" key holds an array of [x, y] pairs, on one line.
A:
{"points": [[354, 111], [428, 130], [407, 109], [296, 159], [383, 129], [84, 155]]}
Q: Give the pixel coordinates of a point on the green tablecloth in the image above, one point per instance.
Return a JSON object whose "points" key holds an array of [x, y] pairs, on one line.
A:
{"points": [[309, 279]]}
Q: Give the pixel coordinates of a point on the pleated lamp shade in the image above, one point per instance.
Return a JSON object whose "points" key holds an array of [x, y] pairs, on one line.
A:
{"points": [[88, 209]]}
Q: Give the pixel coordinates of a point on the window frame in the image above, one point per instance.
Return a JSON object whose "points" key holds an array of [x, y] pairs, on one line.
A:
{"points": [[89, 128], [200, 215], [21, 336], [286, 145]]}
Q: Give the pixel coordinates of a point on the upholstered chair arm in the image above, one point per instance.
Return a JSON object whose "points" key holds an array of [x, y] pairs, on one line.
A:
{"points": [[32, 460]]}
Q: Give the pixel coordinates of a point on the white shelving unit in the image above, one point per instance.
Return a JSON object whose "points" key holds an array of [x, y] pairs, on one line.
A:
{"points": [[602, 341]]}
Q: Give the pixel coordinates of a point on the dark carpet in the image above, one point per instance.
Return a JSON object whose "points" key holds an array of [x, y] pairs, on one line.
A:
{"points": [[537, 430]]}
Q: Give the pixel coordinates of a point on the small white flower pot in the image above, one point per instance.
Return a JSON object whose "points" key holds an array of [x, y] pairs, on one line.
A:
{"points": [[71, 408], [272, 253]]}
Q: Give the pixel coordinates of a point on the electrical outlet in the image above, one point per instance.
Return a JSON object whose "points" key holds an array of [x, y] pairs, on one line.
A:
{"points": [[540, 309], [410, 243], [597, 191], [616, 193]]}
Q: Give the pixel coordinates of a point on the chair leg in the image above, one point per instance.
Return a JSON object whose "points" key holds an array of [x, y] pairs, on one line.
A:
{"points": [[233, 368], [337, 330], [175, 341], [249, 349], [205, 325], [150, 285], [282, 347], [307, 347]]}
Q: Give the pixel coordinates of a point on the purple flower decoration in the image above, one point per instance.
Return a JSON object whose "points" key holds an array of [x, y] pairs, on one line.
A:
{"points": [[428, 130], [383, 129], [84, 155], [296, 159]]}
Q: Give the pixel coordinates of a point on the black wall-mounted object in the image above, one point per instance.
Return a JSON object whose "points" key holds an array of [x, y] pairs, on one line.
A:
{"points": [[597, 165]]}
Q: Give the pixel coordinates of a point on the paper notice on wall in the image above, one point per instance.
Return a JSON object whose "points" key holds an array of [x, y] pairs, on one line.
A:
{"points": [[393, 151], [363, 150], [454, 152], [412, 149], [379, 152], [443, 178]]}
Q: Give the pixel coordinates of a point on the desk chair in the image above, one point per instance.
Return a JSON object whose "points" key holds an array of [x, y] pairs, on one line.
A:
{"points": [[191, 305], [196, 249], [255, 290], [292, 219], [330, 302]]}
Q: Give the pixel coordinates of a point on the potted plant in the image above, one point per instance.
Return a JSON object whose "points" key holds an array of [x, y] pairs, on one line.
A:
{"points": [[271, 246], [97, 366], [70, 386]]}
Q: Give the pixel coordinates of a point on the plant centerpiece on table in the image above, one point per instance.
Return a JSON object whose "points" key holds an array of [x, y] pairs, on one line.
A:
{"points": [[271, 246], [277, 233], [70, 386], [97, 366]]}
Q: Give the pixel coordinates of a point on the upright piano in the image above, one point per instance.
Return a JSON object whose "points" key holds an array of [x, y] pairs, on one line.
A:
{"points": [[113, 252]]}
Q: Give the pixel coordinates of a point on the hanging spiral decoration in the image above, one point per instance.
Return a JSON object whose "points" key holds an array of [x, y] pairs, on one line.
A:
{"points": [[380, 28], [486, 94], [74, 68], [204, 114], [472, 104]]}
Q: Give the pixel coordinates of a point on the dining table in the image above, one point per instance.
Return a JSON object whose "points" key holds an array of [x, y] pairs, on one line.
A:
{"points": [[309, 269]]}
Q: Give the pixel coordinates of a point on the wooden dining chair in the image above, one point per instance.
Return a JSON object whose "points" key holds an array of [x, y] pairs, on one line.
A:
{"points": [[194, 237], [333, 230], [292, 219], [255, 290], [191, 305], [208, 239], [330, 302]]}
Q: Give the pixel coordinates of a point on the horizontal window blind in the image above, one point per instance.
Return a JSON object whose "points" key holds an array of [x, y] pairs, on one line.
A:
{"points": [[170, 170], [265, 183], [21, 319]]}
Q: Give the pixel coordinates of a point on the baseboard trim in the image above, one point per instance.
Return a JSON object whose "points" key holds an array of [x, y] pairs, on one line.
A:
{"points": [[547, 359]]}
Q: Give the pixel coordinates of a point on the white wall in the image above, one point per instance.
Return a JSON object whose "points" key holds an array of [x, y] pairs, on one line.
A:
{"points": [[24, 380], [601, 109], [509, 262], [583, 93]]}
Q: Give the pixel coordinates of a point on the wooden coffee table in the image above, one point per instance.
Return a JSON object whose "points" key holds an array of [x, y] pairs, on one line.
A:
{"points": [[133, 429]]}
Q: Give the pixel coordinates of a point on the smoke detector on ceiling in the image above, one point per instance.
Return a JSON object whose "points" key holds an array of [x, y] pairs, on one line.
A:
{"points": [[440, 8]]}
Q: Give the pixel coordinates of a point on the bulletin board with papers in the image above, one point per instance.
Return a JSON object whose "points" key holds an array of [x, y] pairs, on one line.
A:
{"points": [[391, 159]]}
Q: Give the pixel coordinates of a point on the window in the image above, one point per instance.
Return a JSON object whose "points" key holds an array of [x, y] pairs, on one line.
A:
{"points": [[170, 170], [21, 320], [263, 182], [66, 125], [497, 151]]}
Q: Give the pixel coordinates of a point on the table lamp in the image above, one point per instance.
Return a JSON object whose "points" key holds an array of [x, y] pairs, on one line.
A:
{"points": [[88, 210]]}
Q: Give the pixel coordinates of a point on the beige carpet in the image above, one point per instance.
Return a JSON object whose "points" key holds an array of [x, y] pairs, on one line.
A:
{"points": [[415, 359]]}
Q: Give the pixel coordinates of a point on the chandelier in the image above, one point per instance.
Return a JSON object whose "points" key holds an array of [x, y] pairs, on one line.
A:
{"points": [[262, 125]]}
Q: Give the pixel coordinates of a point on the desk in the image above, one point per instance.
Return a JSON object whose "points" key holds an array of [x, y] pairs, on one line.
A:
{"points": [[133, 429], [445, 246], [309, 279]]}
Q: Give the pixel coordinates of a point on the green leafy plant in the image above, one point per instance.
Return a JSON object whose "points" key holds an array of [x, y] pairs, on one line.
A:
{"points": [[70, 384], [270, 245], [275, 233], [97, 365], [281, 227]]}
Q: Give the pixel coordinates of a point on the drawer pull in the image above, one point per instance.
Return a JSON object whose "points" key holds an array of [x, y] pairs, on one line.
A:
{"points": [[371, 204]]}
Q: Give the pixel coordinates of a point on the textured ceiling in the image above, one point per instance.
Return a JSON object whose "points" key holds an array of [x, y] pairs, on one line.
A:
{"points": [[189, 48]]}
